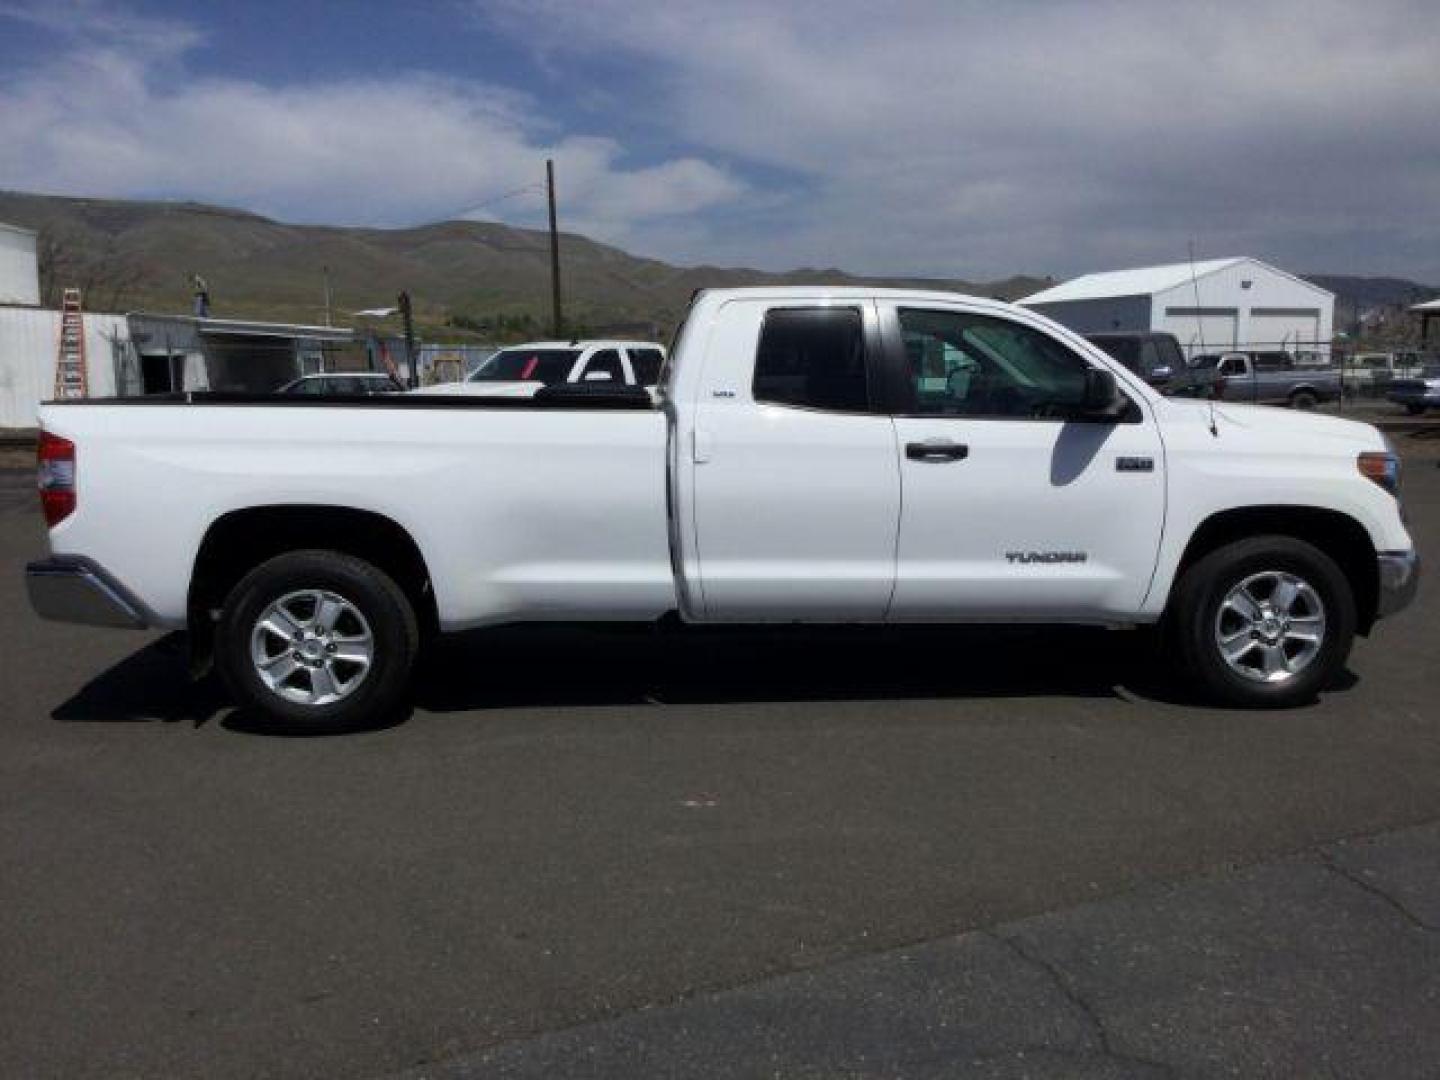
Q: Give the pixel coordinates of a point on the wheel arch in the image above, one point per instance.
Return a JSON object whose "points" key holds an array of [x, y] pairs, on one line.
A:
{"points": [[240, 540], [1334, 532]]}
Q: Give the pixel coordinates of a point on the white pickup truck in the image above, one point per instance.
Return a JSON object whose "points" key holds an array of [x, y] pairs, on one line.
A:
{"points": [[521, 370], [815, 455]]}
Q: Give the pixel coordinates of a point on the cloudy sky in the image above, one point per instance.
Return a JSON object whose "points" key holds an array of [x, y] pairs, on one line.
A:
{"points": [[944, 137]]}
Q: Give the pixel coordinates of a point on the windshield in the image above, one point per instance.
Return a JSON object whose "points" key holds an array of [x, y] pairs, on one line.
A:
{"points": [[527, 365]]}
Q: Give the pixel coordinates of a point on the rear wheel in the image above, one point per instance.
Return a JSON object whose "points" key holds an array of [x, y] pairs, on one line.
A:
{"points": [[1304, 400], [317, 640], [1265, 622]]}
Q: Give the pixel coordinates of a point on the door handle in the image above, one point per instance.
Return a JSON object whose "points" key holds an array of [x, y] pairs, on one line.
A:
{"points": [[938, 451]]}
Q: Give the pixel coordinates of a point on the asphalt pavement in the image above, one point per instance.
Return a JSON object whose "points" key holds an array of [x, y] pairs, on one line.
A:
{"points": [[981, 852]]}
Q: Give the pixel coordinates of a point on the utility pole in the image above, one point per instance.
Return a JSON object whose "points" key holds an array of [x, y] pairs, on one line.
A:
{"points": [[407, 320], [555, 320], [326, 271]]}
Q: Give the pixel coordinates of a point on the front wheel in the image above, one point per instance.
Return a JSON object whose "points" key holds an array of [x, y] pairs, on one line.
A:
{"points": [[1304, 400], [317, 640], [1265, 622]]}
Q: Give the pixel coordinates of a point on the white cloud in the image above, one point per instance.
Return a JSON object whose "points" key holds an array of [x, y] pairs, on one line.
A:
{"points": [[935, 136], [99, 121], [971, 137]]}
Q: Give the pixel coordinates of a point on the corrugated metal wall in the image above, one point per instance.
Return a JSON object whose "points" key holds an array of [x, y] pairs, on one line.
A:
{"points": [[1269, 311], [28, 341]]}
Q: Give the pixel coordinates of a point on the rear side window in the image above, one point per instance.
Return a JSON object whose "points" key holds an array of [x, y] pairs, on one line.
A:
{"points": [[813, 358], [647, 364]]}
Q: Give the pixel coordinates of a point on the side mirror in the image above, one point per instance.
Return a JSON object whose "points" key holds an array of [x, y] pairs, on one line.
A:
{"points": [[597, 376], [1102, 401]]}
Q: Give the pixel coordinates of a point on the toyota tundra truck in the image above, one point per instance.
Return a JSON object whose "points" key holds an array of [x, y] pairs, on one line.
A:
{"points": [[812, 455]]}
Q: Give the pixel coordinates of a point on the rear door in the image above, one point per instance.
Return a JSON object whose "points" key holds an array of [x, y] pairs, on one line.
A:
{"points": [[796, 489], [1009, 509]]}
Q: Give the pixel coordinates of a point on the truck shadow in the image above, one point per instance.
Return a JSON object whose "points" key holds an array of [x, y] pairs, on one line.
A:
{"points": [[152, 684], [538, 666]]}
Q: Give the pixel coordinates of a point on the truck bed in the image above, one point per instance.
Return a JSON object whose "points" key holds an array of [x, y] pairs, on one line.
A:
{"points": [[535, 508]]}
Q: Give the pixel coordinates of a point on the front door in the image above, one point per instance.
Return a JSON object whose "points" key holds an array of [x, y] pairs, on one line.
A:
{"points": [[1009, 509], [796, 489]]}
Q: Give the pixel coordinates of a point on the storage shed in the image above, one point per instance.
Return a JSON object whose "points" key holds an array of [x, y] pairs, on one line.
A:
{"points": [[186, 352], [1212, 306]]}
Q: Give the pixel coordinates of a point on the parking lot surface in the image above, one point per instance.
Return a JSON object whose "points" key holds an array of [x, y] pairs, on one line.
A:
{"points": [[576, 825]]}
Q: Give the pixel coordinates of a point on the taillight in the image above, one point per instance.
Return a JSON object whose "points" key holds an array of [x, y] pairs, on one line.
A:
{"points": [[55, 465]]}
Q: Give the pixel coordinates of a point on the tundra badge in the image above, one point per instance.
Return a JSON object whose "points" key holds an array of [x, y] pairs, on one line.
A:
{"points": [[1045, 556]]}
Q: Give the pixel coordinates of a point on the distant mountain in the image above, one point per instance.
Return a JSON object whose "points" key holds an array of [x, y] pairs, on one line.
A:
{"points": [[141, 255], [1374, 291]]}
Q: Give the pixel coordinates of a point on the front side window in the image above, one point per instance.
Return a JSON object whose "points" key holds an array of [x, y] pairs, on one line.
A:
{"points": [[812, 358], [961, 364], [546, 366]]}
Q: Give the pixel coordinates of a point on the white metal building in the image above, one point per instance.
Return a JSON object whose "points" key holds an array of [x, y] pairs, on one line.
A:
{"points": [[1211, 306], [19, 266], [29, 341]]}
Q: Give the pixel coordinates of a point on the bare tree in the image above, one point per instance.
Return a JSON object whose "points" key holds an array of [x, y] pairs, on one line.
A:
{"points": [[93, 263]]}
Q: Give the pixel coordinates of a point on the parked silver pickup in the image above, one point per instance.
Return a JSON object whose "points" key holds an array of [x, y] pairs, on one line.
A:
{"points": [[1241, 379]]}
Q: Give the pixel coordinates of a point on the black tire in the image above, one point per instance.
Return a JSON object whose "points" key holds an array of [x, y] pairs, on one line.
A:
{"points": [[1304, 400], [1414, 410], [372, 593], [1194, 613]]}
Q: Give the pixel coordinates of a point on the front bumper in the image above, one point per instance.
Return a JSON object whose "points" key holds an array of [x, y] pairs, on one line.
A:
{"points": [[77, 590], [1399, 578]]}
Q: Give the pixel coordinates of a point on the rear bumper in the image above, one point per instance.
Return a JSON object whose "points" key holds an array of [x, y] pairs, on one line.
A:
{"points": [[1399, 579], [77, 590]]}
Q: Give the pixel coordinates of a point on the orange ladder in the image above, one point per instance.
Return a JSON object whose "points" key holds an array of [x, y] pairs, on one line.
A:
{"points": [[72, 375]]}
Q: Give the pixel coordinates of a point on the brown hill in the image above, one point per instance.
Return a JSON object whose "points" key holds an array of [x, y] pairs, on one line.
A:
{"points": [[140, 255]]}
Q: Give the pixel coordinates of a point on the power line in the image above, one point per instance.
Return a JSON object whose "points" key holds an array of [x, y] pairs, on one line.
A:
{"points": [[526, 190]]}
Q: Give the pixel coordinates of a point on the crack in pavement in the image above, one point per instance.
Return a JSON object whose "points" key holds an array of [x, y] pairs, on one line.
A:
{"points": [[1071, 993], [1328, 860]]}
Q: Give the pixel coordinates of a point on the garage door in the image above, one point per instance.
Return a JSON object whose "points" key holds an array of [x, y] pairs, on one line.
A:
{"points": [[1204, 329], [1290, 329]]}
